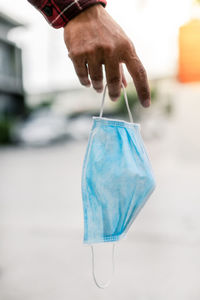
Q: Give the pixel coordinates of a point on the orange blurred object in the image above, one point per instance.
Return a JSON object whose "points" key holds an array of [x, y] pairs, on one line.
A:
{"points": [[189, 51]]}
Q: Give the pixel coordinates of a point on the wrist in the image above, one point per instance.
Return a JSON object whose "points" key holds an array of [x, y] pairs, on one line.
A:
{"points": [[59, 12], [90, 13]]}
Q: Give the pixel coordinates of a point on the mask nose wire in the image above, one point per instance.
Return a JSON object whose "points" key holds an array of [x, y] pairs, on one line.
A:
{"points": [[103, 286], [126, 101]]}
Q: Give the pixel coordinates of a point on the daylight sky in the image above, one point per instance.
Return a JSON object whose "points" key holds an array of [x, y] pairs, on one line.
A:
{"points": [[151, 24]]}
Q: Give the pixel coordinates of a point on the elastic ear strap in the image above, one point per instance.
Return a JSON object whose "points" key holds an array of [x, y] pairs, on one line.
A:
{"points": [[103, 100], [126, 101], [127, 105], [103, 286]]}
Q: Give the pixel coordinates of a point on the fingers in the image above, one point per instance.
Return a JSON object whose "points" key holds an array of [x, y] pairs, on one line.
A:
{"points": [[82, 72], [114, 79], [139, 76], [114, 74], [96, 75], [94, 69]]}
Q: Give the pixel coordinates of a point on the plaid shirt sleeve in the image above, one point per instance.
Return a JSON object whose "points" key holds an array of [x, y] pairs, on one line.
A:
{"points": [[59, 12]]}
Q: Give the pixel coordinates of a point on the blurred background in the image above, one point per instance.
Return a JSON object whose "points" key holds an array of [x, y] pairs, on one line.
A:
{"points": [[45, 119]]}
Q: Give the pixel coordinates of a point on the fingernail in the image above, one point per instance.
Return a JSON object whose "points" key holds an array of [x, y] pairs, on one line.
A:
{"points": [[97, 86], [85, 82], [99, 91], [114, 98], [147, 103]]}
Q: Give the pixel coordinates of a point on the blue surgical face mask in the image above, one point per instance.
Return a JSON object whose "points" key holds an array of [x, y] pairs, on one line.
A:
{"points": [[117, 178]]}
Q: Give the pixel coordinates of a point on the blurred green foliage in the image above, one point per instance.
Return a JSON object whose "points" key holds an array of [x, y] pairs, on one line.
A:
{"points": [[6, 125], [132, 100], [46, 103], [168, 107]]}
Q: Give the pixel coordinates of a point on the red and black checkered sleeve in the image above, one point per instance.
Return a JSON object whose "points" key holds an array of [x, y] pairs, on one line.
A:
{"points": [[59, 12]]}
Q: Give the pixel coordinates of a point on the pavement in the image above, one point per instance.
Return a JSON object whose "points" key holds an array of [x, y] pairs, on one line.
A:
{"points": [[41, 222]]}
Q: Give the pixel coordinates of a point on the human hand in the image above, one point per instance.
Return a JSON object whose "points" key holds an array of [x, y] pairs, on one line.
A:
{"points": [[94, 39]]}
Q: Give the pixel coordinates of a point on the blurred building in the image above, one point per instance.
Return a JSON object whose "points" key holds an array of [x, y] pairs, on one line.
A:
{"points": [[11, 86]]}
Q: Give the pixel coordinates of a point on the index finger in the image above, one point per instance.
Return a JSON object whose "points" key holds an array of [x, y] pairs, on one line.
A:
{"points": [[138, 73]]}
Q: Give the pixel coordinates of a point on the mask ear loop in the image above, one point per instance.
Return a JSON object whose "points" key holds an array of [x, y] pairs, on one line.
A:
{"points": [[103, 286], [126, 101]]}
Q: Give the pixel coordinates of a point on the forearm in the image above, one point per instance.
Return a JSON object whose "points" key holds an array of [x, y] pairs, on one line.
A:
{"points": [[59, 12]]}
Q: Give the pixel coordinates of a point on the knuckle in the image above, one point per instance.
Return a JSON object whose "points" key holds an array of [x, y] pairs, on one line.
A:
{"points": [[98, 47], [114, 80], [79, 53], [74, 54], [129, 51], [141, 73], [108, 49], [90, 51], [96, 78], [130, 45], [126, 44]]}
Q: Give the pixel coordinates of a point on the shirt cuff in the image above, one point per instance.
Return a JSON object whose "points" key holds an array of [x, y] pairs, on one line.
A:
{"points": [[59, 12]]}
